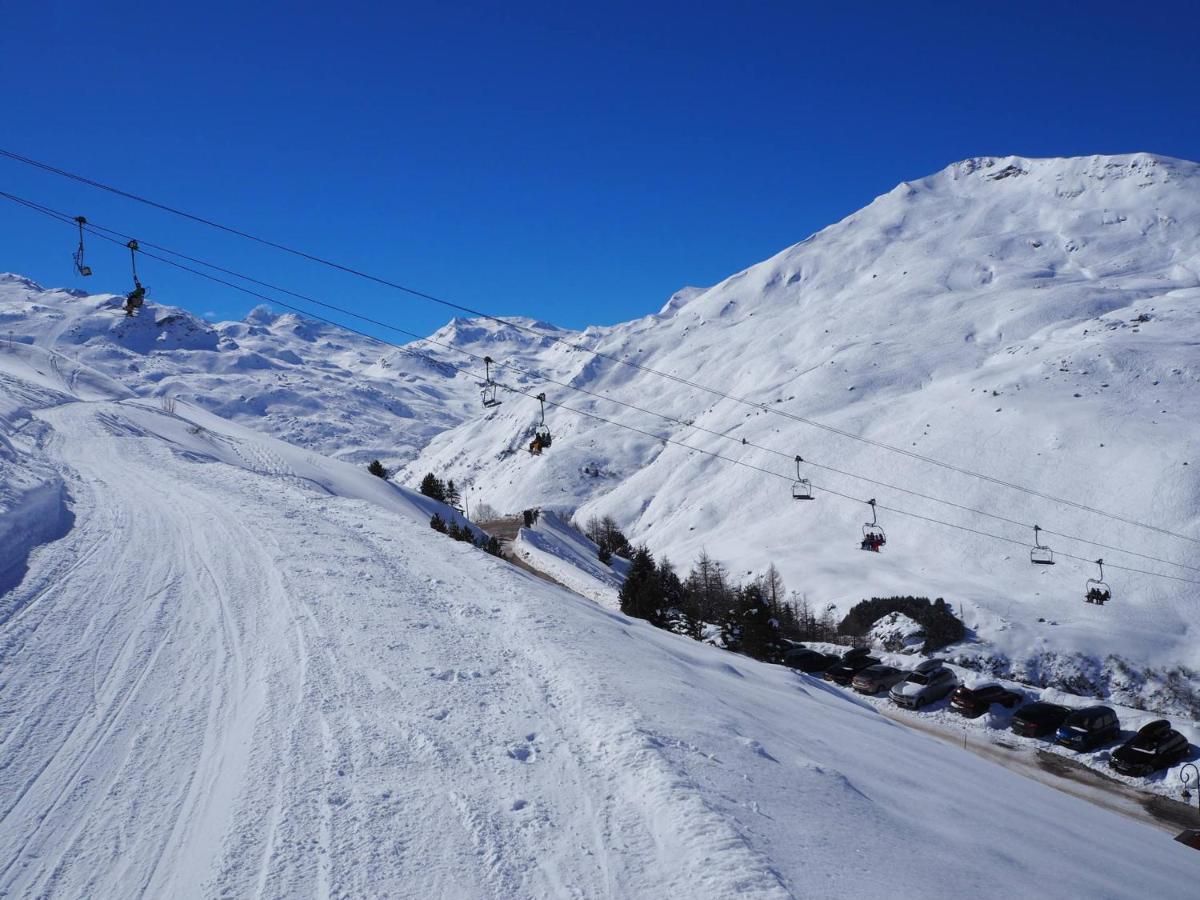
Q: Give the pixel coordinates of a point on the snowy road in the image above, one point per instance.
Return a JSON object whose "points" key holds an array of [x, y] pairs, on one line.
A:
{"points": [[226, 682]]}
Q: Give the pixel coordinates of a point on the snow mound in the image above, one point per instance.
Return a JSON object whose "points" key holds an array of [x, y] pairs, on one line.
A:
{"points": [[898, 633]]}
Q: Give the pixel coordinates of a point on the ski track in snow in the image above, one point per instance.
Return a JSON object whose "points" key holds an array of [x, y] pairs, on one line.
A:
{"points": [[189, 627]]}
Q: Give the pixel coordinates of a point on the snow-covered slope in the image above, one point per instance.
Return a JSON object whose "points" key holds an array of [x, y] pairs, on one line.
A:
{"points": [[244, 672], [555, 548], [1037, 320]]}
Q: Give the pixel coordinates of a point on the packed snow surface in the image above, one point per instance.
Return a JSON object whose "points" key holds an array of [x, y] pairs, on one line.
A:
{"points": [[247, 670]]}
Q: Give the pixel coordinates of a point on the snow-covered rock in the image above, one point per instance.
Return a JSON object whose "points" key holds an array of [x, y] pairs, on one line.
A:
{"points": [[898, 633]]}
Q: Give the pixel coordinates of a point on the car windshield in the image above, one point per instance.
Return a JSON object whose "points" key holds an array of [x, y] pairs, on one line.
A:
{"points": [[919, 678]]}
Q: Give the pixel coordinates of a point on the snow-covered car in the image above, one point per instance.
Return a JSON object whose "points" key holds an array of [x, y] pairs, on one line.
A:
{"points": [[874, 679], [978, 698], [930, 682], [1154, 747]]}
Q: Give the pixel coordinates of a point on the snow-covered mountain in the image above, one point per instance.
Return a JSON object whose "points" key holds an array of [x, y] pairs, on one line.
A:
{"points": [[1036, 320]]}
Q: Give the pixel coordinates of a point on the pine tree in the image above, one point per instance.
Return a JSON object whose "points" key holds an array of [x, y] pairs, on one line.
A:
{"points": [[437, 523], [604, 555], [431, 486], [376, 468], [451, 494], [757, 629], [639, 593]]}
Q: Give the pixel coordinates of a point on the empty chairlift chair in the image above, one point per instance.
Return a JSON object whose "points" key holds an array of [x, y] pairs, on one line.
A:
{"points": [[1096, 590], [873, 537], [801, 487], [1040, 554], [81, 267], [490, 388]]}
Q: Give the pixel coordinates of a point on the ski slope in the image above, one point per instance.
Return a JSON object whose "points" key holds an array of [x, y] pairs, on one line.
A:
{"points": [[1032, 319], [242, 672]]}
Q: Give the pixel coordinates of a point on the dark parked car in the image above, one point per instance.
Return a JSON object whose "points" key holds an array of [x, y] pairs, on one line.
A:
{"points": [[874, 679], [852, 662], [978, 698], [808, 660], [1154, 747], [1087, 729], [1039, 719]]}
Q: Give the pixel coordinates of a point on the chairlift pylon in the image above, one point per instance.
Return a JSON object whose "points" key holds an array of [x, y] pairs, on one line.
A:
{"points": [[801, 487], [1040, 554], [490, 388], [873, 536], [541, 436], [80, 266], [1096, 591]]}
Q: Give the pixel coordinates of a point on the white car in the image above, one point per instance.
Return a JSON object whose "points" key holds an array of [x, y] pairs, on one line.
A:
{"points": [[931, 681]]}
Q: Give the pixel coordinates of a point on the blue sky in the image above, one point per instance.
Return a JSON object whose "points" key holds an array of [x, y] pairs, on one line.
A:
{"points": [[572, 163]]}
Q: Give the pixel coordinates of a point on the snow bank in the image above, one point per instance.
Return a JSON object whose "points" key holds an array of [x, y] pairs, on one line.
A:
{"points": [[554, 547]]}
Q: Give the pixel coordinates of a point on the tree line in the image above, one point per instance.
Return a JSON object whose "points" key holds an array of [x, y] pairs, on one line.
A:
{"points": [[757, 618]]}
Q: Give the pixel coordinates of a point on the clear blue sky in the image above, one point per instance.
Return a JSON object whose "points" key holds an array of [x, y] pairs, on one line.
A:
{"points": [[572, 162]]}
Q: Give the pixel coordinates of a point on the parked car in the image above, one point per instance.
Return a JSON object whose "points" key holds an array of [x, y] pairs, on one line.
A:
{"points": [[1039, 719], [1087, 729], [807, 660], [929, 682], [1154, 747], [852, 662], [874, 679], [977, 699]]}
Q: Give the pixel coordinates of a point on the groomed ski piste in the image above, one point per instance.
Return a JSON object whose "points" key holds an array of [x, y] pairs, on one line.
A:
{"points": [[238, 668]]}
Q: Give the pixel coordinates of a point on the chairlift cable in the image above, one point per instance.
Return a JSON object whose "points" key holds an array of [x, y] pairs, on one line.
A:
{"points": [[598, 353], [585, 413]]}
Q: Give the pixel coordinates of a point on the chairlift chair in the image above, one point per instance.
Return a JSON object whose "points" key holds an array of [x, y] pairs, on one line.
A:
{"points": [[801, 487], [1040, 554], [490, 388], [135, 298], [873, 536], [1096, 590], [80, 267], [541, 436]]}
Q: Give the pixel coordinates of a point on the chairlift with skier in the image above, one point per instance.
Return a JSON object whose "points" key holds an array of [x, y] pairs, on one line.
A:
{"points": [[873, 537], [1096, 590], [135, 298], [541, 437]]}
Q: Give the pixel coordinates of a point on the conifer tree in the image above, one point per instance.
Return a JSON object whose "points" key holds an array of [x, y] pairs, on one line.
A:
{"points": [[437, 523], [757, 630], [431, 486], [376, 468], [639, 593]]}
